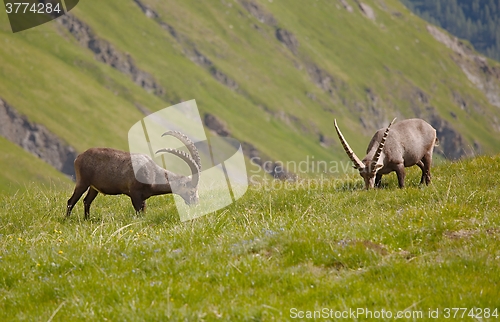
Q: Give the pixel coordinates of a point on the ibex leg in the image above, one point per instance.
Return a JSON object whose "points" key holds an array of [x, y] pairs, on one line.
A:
{"points": [[79, 190], [400, 172], [426, 171], [88, 200], [378, 179], [138, 202], [422, 167]]}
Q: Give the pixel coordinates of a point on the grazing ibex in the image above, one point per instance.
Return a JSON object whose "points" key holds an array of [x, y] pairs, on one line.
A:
{"points": [[409, 142], [111, 172]]}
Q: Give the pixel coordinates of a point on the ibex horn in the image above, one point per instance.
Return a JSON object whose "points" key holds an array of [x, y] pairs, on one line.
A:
{"points": [[357, 162], [191, 163], [189, 145], [380, 147]]}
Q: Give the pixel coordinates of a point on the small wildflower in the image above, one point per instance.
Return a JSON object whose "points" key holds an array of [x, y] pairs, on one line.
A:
{"points": [[37, 264], [20, 239], [60, 252]]}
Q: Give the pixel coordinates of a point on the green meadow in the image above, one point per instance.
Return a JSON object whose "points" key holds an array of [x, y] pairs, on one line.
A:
{"points": [[281, 252]]}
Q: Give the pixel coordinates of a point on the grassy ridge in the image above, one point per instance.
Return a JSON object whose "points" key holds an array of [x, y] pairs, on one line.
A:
{"points": [[305, 246]]}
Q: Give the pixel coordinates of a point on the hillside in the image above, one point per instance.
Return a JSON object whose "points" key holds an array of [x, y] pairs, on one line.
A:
{"points": [[21, 171], [272, 74], [275, 252], [477, 21]]}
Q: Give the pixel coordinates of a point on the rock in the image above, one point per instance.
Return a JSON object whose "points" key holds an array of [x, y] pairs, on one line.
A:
{"points": [[287, 38], [258, 12], [147, 11], [36, 139], [367, 10], [198, 58], [451, 143], [190, 49], [321, 78], [475, 67], [106, 53], [346, 5], [215, 124], [273, 168]]}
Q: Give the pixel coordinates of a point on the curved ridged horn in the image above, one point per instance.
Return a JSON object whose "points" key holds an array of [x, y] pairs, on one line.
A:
{"points": [[381, 147], [357, 162], [191, 163], [189, 145]]}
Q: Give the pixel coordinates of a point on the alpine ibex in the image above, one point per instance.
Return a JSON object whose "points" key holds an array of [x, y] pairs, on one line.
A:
{"points": [[111, 172], [411, 142]]}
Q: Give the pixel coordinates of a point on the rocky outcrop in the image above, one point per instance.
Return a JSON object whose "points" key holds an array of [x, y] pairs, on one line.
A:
{"points": [[321, 78], [223, 78], [147, 11], [36, 139], [144, 110], [273, 168], [476, 67], [255, 10], [325, 141], [201, 60], [106, 53], [346, 5], [366, 10], [451, 143], [288, 39], [216, 125], [282, 35]]}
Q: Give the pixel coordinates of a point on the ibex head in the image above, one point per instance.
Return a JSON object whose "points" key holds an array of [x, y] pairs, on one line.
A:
{"points": [[186, 187], [369, 166]]}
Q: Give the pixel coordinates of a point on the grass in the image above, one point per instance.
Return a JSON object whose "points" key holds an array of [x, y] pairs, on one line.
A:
{"points": [[299, 247]]}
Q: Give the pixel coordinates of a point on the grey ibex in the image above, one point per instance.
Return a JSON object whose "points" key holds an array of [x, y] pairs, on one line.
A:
{"points": [[410, 142], [115, 172]]}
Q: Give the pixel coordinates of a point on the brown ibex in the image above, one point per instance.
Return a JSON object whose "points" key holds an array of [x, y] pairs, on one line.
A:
{"points": [[115, 172], [410, 142]]}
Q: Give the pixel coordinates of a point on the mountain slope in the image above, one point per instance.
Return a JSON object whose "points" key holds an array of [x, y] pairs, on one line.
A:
{"points": [[476, 21], [276, 74], [21, 170]]}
